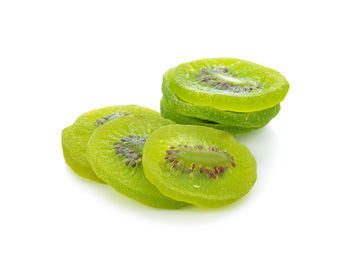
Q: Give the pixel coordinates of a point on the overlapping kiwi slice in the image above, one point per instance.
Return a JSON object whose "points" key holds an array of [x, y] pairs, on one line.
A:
{"points": [[198, 165], [70, 156], [229, 84], [239, 119], [115, 153], [75, 138], [187, 120]]}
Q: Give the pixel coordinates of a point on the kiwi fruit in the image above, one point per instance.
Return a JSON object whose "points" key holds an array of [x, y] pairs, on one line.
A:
{"points": [[229, 84], [76, 166], [115, 155], [199, 165], [76, 137], [187, 120], [241, 119]]}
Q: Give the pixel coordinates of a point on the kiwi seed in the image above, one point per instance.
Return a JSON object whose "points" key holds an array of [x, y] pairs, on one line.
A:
{"points": [[221, 79], [131, 149], [210, 161]]}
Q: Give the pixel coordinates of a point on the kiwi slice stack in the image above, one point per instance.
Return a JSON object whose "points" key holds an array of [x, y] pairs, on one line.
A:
{"points": [[156, 161], [223, 93], [187, 154]]}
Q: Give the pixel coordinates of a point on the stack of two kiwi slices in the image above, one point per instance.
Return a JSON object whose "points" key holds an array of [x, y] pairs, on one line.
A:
{"points": [[224, 93], [157, 162]]}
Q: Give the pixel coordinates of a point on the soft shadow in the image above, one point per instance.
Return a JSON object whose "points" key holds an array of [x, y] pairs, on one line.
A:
{"points": [[263, 143], [106, 192], [122, 204]]}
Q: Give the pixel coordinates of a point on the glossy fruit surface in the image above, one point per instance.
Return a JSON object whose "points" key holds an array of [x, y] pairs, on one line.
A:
{"points": [[70, 156], [198, 165], [75, 139], [115, 154], [240, 119], [229, 84]]}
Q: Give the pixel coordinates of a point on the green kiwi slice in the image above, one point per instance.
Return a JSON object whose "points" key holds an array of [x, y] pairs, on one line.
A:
{"points": [[241, 119], [115, 154], [229, 84], [75, 139], [199, 165], [76, 166], [187, 120]]}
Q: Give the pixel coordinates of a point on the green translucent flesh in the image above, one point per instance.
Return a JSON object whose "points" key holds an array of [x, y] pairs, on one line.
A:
{"points": [[196, 188], [70, 155], [205, 157], [85, 125], [240, 119], [186, 120], [111, 167], [188, 87]]}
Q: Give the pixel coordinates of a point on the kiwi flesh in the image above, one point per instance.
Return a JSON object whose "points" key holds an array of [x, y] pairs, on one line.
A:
{"points": [[76, 166], [229, 84], [115, 155], [187, 120], [241, 119], [75, 139], [199, 165]]}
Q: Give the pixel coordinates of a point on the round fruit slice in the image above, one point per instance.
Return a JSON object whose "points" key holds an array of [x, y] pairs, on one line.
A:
{"points": [[198, 165], [187, 120], [229, 84], [241, 119], [115, 155], [75, 140], [67, 140]]}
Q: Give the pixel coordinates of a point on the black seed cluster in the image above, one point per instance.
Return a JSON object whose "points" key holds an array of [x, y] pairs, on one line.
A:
{"points": [[211, 172], [131, 149], [207, 77]]}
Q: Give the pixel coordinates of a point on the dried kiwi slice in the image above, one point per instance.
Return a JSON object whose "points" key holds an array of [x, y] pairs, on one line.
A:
{"points": [[199, 165], [67, 142], [75, 139], [241, 119], [115, 155], [187, 120], [229, 84]]}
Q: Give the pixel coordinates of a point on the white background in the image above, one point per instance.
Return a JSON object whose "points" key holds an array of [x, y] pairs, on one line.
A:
{"points": [[59, 59]]}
